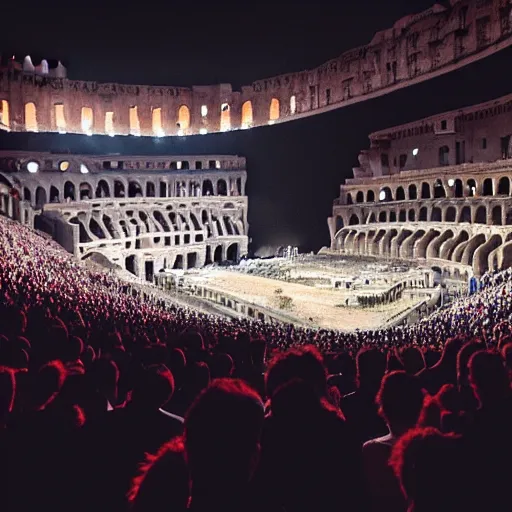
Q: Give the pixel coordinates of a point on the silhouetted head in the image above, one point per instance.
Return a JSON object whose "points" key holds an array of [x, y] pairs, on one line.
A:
{"points": [[153, 388], [258, 350], [488, 378], [221, 366], [371, 365], [400, 400], [463, 357], [412, 360], [47, 384], [222, 432]]}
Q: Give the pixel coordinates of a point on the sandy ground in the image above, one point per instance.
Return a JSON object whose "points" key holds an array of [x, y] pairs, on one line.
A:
{"points": [[308, 302]]}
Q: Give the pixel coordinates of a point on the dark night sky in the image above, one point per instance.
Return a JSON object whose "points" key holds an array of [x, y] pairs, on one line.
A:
{"points": [[294, 169]]}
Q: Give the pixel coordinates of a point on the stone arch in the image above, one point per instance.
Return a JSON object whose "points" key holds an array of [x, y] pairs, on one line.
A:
{"points": [[354, 220], [411, 215], [156, 122], [425, 191], [444, 156], [421, 247], [54, 194], [41, 198], [423, 217], [508, 217], [402, 216], [387, 240], [450, 214], [471, 246], [413, 191], [349, 199], [339, 223], [150, 189], [247, 114], [102, 189], [481, 215], [400, 194], [383, 216], [407, 249], [496, 216], [458, 188], [436, 214], [85, 191], [434, 248], [119, 189], [385, 194], [392, 216], [397, 242], [375, 244], [274, 110], [471, 187], [4, 113], [359, 243], [504, 186], [134, 120], [87, 120], [217, 254], [487, 187], [225, 117], [360, 197], [183, 123], [222, 188], [482, 253], [450, 245], [232, 253], [27, 196], [370, 196], [134, 189], [69, 191], [439, 191], [31, 124], [465, 215], [207, 188], [371, 218]]}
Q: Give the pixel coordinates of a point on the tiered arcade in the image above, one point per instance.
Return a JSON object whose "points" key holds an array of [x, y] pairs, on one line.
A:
{"points": [[142, 213], [437, 190], [417, 48]]}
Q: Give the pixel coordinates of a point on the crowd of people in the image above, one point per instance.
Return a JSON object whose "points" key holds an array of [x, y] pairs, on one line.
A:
{"points": [[115, 399]]}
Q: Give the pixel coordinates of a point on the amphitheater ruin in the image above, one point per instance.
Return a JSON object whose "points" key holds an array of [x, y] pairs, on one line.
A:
{"points": [[40, 98], [143, 214], [436, 191]]}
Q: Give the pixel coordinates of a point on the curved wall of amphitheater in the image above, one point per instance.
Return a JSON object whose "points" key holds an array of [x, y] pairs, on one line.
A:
{"points": [[438, 190], [142, 213], [417, 48]]}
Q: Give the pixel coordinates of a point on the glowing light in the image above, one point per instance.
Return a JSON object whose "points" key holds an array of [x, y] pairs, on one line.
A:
{"points": [[84, 169], [87, 120], [204, 110], [180, 132], [293, 105], [451, 182], [64, 166], [245, 126], [178, 165], [225, 117], [382, 195], [62, 132], [217, 164], [415, 151], [203, 131], [271, 122], [32, 167]]}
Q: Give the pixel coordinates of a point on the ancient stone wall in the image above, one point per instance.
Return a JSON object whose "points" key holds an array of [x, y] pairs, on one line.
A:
{"points": [[417, 48]]}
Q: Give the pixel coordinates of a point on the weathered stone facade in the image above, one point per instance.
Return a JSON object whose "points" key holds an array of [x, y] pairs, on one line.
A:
{"points": [[142, 213], [417, 48], [435, 207]]}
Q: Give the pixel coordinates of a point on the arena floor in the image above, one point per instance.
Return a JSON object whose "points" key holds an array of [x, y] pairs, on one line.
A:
{"points": [[324, 306]]}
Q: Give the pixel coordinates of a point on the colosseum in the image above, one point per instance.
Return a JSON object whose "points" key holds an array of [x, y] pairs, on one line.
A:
{"points": [[437, 191], [40, 98], [141, 213]]}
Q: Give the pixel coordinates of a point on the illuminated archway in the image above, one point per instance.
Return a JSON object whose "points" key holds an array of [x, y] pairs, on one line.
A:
{"points": [[109, 123], [134, 121], [183, 119], [4, 114], [87, 120], [60, 119], [247, 114], [157, 122], [30, 117], [293, 104], [225, 117], [274, 110]]}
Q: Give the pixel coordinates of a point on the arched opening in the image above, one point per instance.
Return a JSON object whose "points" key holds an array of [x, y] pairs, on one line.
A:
{"points": [[150, 189], [119, 190], [413, 192], [487, 188], [30, 117], [96, 229], [217, 254], [54, 194], [134, 189], [225, 117], [504, 186], [392, 216], [178, 262], [451, 214], [60, 119], [412, 215], [436, 215], [87, 120], [471, 188], [444, 155], [191, 260], [134, 121], [183, 119], [339, 223], [69, 191], [109, 123], [439, 190], [402, 216], [354, 220], [102, 190], [360, 197], [27, 196], [383, 217], [129, 264], [274, 110], [425, 191], [459, 188], [508, 218], [4, 114], [349, 198], [423, 214], [385, 194], [481, 215], [156, 122], [208, 259], [370, 196], [40, 197], [85, 191], [232, 253], [465, 215], [222, 188], [207, 188], [400, 194], [496, 216], [247, 114], [371, 218]]}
